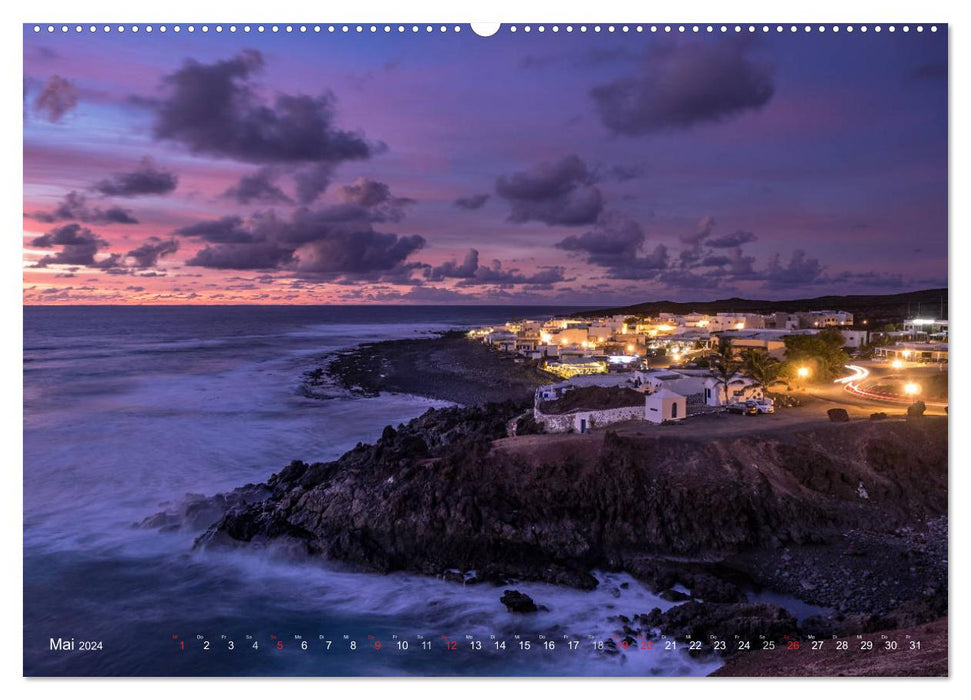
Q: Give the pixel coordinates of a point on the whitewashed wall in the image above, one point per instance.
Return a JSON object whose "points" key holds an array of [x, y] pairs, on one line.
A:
{"points": [[564, 422]]}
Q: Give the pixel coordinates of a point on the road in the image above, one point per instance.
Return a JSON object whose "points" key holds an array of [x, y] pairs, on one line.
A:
{"points": [[856, 388]]}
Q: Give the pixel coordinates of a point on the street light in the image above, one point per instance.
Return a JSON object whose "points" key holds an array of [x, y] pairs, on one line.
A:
{"points": [[896, 364], [802, 372], [911, 389]]}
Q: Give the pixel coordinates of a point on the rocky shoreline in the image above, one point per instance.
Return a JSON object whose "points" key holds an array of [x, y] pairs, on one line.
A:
{"points": [[701, 523], [448, 367], [850, 517]]}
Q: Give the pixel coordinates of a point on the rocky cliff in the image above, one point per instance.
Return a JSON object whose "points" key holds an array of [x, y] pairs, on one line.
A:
{"points": [[447, 492]]}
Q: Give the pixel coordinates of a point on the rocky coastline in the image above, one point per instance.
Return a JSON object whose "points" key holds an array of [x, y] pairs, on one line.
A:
{"points": [[848, 517], [448, 367]]}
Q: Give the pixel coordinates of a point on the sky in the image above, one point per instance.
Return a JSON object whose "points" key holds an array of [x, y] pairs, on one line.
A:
{"points": [[577, 168]]}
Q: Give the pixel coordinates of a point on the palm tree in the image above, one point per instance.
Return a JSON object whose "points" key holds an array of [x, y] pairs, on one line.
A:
{"points": [[723, 366], [764, 369]]}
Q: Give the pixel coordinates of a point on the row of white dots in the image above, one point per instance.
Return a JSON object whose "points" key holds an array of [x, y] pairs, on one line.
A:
{"points": [[303, 28], [512, 28], [695, 28]]}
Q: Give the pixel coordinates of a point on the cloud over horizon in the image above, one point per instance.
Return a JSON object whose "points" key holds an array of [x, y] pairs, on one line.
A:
{"points": [[56, 98], [330, 242], [552, 192], [146, 179], [684, 83], [215, 109]]}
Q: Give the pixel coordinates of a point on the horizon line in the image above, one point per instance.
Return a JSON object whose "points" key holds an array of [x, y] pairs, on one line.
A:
{"points": [[607, 305]]}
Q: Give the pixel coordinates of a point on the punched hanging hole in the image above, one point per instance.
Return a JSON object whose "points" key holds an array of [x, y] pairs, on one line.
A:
{"points": [[485, 28]]}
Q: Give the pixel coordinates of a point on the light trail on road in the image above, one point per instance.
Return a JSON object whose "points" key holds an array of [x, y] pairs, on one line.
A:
{"points": [[852, 384], [859, 374]]}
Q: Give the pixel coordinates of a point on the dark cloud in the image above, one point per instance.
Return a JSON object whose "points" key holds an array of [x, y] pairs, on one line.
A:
{"points": [[738, 266], [613, 240], [365, 192], [258, 188], [454, 269], [704, 228], [732, 240], [214, 109], [475, 201], [615, 243], [714, 260], [147, 254], [228, 229], [689, 257], [356, 253], [252, 256], [377, 198], [681, 84], [312, 181], [471, 273], [144, 180], [800, 271], [559, 192], [57, 98], [78, 244], [329, 243], [75, 206], [643, 267], [495, 274]]}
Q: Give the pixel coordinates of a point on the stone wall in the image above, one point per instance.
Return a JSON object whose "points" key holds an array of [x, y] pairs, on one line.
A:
{"points": [[564, 422]]}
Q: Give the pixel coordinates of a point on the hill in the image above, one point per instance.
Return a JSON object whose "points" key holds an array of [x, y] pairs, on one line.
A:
{"points": [[875, 308]]}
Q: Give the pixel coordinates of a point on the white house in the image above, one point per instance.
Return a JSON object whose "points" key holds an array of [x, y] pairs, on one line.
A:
{"points": [[854, 338], [665, 405], [682, 383], [740, 388]]}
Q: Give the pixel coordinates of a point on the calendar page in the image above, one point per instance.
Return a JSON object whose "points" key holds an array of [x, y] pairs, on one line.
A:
{"points": [[511, 350]]}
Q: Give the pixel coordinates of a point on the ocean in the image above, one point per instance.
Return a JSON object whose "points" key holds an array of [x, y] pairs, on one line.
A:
{"points": [[129, 409]]}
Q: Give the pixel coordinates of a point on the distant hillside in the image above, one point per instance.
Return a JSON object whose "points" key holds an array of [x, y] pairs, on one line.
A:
{"points": [[876, 308]]}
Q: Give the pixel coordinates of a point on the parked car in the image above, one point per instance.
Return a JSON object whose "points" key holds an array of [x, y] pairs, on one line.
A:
{"points": [[764, 405], [743, 408]]}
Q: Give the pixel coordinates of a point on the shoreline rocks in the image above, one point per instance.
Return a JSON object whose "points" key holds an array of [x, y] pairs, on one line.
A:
{"points": [[447, 492], [448, 367], [517, 602]]}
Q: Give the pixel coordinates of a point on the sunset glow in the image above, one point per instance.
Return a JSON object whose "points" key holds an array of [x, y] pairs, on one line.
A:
{"points": [[522, 169]]}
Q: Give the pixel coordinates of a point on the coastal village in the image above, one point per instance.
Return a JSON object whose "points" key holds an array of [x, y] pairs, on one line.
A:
{"points": [[666, 368]]}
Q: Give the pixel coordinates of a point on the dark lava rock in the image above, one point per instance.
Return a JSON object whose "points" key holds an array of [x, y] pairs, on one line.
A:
{"points": [[823, 626], [518, 602], [673, 596], [748, 620], [838, 415], [879, 415], [448, 491], [916, 409], [649, 620], [712, 589], [197, 512]]}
